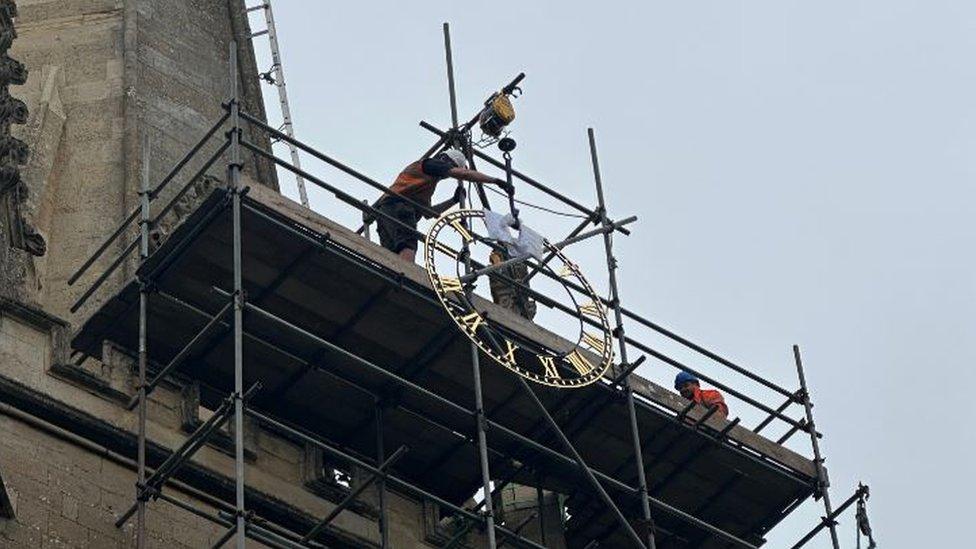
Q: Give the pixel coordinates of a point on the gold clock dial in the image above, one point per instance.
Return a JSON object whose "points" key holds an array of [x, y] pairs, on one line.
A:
{"points": [[452, 240]]}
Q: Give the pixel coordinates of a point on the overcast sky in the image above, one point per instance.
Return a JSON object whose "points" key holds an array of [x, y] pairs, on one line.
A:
{"points": [[802, 174]]}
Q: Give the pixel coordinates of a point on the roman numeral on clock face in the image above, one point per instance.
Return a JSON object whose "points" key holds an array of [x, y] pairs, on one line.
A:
{"points": [[462, 230], [582, 365], [549, 363], [509, 355], [592, 309], [594, 342], [449, 283], [472, 321]]}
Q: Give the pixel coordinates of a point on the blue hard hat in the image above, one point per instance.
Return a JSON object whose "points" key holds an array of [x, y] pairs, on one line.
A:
{"points": [[682, 378]]}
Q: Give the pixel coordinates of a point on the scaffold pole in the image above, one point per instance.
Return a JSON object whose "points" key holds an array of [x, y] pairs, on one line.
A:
{"points": [[823, 484], [234, 180], [143, 346], [648, 526]]}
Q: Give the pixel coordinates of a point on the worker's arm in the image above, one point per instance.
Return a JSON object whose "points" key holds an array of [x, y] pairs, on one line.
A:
{"points": [[443, 169], [477, 177], [446, 205]]}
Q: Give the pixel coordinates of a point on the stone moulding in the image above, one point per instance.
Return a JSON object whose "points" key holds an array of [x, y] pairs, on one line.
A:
{"points": [[13, 152]]}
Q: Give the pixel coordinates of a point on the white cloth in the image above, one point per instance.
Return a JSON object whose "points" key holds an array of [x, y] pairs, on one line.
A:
{"points": [[528, 242], [499, 226]]}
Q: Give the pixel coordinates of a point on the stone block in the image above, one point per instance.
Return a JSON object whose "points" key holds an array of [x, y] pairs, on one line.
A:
{"points": [[64, 532]]}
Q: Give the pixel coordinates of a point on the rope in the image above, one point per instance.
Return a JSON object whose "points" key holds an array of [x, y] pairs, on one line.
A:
{"points": [[537, 207]]}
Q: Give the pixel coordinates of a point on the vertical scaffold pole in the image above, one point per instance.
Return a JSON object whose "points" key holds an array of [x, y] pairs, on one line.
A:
{"points": [[483, 446], [822, 483], [542, 512], [234, 180], [452, 93], [450, 75], [619, 334], [381, 483], [475, 359], [143, 348]]}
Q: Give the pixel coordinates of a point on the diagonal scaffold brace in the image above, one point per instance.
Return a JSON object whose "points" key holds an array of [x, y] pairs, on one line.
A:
{"points": [[181, 455], [590, 477], [830, 520]]}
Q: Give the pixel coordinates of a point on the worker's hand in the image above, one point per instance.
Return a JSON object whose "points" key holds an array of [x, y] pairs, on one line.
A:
{"points": [[505, 185], [459, 195]]}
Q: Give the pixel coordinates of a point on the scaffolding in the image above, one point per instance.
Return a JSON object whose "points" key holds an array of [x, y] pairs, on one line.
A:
{"points": [[638, 514]]}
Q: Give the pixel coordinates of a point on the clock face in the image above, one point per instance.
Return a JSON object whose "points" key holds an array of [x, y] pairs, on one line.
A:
{"points": [[451, 241]]}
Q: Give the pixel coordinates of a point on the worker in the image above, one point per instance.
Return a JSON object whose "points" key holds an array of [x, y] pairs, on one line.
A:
{"points": [[417, 183], [690, 388], [509, 295]]}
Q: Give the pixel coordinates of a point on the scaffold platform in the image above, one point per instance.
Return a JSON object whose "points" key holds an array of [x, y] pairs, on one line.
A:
{"points": [[334, 326]]}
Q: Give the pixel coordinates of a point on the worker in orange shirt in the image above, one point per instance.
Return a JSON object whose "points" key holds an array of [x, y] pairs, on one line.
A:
{"points": [[689, 387], [417, 183]]}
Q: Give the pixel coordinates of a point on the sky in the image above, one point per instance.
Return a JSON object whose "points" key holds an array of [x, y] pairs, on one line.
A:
{"points": [[801, 171]]}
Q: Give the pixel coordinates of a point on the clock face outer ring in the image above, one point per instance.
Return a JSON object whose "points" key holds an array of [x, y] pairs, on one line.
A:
{"points": [[594, 311]]}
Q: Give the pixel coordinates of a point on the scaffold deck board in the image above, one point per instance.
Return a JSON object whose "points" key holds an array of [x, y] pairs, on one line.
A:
{"points": [[330, 282]]}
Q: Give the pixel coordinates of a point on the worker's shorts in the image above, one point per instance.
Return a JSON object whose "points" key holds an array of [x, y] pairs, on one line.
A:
{"points": [[395, 236]]}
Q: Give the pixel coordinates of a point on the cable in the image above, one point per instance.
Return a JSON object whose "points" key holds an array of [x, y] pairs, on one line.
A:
{"points": [[530, 205]]}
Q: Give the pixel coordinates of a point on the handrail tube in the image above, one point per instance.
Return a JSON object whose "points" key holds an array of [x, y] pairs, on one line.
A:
{"points": [[762, 425], [176, 251], [101, 249], [336, 191], [199, 173], [152, 195], [118, 261], [186, 158], [532, 182], [334, 163], [749, 400], [490, 269], [352, 201], [349, 199], [104, 276], [701, 350]]}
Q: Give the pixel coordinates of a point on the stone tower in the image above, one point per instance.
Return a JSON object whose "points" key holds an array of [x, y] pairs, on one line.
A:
{"points": [[103, 74], [88, 81]]}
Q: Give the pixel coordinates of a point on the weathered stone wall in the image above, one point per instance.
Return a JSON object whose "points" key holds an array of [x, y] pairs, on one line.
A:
{"points": [[65, 496], [73, 48], [103, 74]]}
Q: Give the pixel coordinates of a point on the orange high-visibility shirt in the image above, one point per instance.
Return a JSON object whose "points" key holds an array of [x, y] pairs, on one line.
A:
{"points": [[711, 397], [413, 183]]}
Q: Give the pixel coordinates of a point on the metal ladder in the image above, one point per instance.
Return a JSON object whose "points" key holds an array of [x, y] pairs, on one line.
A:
{"points": [[277, 79]]}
